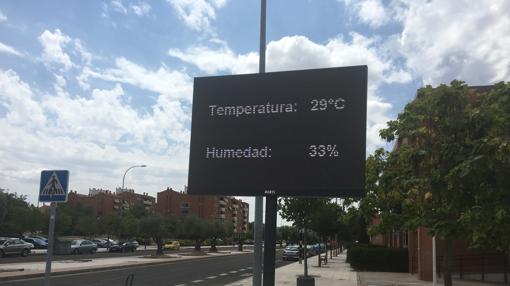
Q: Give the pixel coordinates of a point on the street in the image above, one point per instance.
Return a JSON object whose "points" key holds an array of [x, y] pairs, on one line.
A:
{"points": [[219, 270], [102, 253]]}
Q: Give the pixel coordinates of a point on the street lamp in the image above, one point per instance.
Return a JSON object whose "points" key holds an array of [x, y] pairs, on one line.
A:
{"points": [[124, 178]]}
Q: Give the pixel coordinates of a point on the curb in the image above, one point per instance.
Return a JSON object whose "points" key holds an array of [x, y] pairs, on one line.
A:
{"points": [[106, 268]]}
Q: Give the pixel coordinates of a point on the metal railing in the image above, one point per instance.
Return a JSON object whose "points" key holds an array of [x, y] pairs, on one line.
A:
{"points": [[484, 267]]}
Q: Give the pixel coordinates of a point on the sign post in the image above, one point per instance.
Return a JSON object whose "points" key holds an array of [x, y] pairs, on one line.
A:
{"points": [[259, 201], [53, 188], [294, 133]]}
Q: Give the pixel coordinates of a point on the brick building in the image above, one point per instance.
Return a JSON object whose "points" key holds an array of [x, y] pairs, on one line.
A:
{"points": [[105, 202], [222, 208]]}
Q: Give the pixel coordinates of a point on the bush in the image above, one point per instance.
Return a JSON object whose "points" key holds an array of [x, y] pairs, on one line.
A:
{"points": [[373, 258]]}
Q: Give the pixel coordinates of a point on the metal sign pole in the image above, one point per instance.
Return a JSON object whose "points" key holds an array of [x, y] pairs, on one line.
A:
{"points": [[49, 253], [270, 240], [257, 247]]}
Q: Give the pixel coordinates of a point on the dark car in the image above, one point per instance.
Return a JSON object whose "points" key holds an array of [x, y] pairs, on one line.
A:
{"points": [[131, 245], [10, 246], [37, 242], [100, 242], [80, 246], [291, 253]]}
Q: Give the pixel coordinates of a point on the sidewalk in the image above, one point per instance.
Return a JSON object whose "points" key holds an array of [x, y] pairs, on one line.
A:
{"points": [[336, 272], [36, 269]]}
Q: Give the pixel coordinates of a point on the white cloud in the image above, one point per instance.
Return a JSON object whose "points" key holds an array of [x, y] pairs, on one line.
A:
{"points": [[95, 136], [117, 6], [141, 8], [173, 84], [370, 12], [9, 50], [218, 59], [467, 40], [298, 52], [197, 14], [53, 48], [17, 97], [3, 18]]}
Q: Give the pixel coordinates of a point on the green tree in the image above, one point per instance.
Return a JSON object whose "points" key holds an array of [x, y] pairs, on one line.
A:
{"points": [[450, 172], [158, 228], [220, 230], [325, 222], [195, 228], [138, 211], [87, 226], [110, 224], [17, 216], [128, 226], [300, 211]]}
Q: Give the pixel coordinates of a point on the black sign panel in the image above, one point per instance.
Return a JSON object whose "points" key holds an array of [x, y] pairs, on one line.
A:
{"points": [[296, 133]]}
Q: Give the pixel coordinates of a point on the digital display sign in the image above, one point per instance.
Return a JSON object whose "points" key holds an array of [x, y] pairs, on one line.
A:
{"points": [[293, 133]]}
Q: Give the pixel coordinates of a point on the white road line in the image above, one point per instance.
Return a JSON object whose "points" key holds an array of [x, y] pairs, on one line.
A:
{"points": [[180, 285], [211, 277], [245, 275], [197, 281], [223, 274], [242, 269], [233, 272]]}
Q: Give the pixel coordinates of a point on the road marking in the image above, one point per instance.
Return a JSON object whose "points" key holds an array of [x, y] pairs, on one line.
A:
{"points": [[245, 275], [197, 281], [180, 285], [242, 269], [223, 274], [212, 277], [233, 272]]}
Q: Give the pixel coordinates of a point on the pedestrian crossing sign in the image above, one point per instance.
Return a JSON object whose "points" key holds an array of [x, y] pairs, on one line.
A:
{"points": [[54, 186]]}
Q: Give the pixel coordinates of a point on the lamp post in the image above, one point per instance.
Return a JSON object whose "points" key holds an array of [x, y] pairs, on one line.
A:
{"points": [[124, 177]]}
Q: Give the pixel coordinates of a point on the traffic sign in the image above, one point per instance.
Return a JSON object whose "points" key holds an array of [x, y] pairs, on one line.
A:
{"points": [[54, 186]]}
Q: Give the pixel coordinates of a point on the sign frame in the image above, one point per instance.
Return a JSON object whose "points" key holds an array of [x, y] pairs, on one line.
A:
{"points": [[215, 122]]}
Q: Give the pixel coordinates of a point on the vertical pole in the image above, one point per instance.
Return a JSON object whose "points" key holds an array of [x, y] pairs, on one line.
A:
{"points": [[257, 244], [306, 252], [270, 240], [51, 239], [257, 247], [434, 275]]}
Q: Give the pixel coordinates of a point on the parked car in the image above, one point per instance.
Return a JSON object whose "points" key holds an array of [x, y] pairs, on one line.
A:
{"points": [[80, 246], [130, 245], [41, 238], [9, 246], [37, 242], [100, 242], [291, 253], [310, 250], [172, 245]]}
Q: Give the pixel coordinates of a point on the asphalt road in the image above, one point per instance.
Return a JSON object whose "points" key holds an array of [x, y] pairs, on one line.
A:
{"points": [[140, 251], [210, 271]]}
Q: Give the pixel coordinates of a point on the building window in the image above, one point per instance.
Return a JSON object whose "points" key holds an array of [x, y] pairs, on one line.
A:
{"points": [[184, 208]]}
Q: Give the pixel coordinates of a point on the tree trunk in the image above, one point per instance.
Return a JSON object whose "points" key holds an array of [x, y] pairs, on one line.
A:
{"points": [[447, 265], [213, 245], [159, 243], [198, 245]]}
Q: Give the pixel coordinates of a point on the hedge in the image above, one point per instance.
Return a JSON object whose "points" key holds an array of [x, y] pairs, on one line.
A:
{"points": [[370, 258]]}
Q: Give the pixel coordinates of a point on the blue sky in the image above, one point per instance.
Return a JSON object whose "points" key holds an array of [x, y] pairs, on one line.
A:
{"points": [[98, 86]]}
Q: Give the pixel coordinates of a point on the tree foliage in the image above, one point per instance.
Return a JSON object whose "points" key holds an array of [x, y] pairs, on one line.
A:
{"points": [[450, 170]]}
